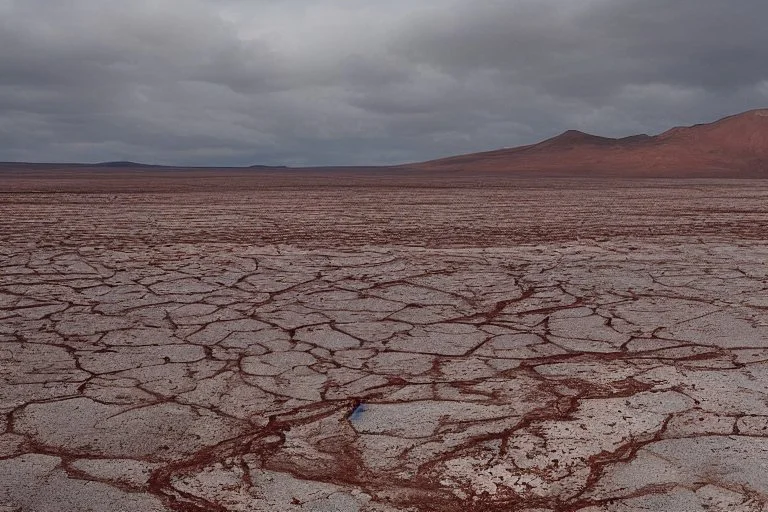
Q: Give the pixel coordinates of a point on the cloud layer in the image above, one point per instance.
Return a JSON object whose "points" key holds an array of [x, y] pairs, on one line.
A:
{"points": [[323, 82]]}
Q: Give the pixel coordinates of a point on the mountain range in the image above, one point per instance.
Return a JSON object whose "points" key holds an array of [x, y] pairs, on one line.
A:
{"points": [[733, 146]]}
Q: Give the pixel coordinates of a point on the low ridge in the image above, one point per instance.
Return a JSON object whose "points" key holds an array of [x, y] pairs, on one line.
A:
{"points": [[735, 146]]}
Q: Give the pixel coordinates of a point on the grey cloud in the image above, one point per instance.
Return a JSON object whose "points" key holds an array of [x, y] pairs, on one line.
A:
{"points": [[600, 46], [338, 82]]}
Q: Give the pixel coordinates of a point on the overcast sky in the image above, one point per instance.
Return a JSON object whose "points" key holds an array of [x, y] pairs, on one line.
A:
{"points": [[315, 82]]}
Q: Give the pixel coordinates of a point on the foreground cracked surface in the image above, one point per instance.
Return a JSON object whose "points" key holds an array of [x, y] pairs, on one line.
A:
{"points": [[558, 347], [584, 376]]}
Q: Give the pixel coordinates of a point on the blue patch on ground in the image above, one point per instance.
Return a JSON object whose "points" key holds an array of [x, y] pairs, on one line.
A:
{"points": [[358, 412]]}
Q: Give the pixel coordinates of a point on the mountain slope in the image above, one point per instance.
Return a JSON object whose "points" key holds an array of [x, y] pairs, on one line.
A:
{"points": [[733, 146]]}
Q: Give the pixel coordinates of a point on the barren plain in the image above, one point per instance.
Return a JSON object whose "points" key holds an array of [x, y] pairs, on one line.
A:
{"points": [[381, 342]]}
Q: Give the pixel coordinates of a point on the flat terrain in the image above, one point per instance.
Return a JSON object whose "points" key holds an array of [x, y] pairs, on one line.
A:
{"points": [[381, 342]]}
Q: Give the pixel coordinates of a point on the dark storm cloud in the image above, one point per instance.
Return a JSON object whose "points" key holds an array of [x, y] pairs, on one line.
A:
{"points": [[601, 45], [354, 82]]}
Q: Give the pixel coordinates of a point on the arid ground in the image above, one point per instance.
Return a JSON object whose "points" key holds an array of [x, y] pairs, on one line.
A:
{"points": [[381, 342]]}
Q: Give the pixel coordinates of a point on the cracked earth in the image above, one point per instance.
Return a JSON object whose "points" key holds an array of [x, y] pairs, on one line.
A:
{"points": [[571, 373]]}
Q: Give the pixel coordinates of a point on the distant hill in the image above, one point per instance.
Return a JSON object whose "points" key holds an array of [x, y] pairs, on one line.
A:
{"points": [[268, 167], [733, 146], [124, 163]]}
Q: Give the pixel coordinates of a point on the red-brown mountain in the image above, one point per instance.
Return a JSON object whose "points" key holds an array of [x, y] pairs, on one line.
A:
{"points": [[734, 146]]}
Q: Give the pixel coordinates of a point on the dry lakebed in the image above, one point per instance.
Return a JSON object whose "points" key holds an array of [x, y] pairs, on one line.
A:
{"points": [[364, 342]]}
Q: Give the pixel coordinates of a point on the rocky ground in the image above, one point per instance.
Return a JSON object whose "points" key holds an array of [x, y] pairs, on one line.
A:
{"points": [[459, 345]]}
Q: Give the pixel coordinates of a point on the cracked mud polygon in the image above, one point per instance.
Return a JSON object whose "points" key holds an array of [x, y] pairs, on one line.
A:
{"points": [[315, 343]]}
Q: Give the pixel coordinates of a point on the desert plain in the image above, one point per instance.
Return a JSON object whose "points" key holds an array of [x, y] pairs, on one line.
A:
{"points": [[371, 341]]}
